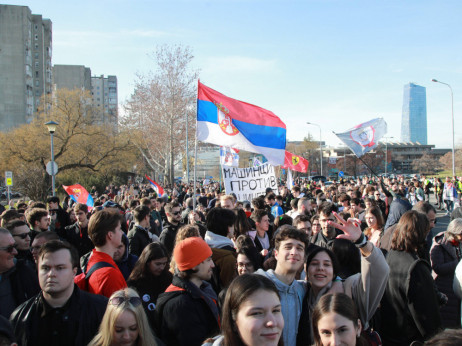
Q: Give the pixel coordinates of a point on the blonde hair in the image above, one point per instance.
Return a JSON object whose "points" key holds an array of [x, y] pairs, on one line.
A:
{"points": [[226, 197], [106, 328]]}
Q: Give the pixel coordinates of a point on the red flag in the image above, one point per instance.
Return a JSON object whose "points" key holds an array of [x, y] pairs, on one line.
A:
{"points": [[79, 194], [295, 162]]}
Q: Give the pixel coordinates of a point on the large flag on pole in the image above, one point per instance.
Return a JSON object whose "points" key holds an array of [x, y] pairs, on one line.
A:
{"points": [[295, 162], [79, 195], [229, 157], [222, 120], [157, 187], [364, 137]]}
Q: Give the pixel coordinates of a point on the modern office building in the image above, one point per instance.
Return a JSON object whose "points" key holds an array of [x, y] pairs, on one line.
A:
{"points": [[414, 117], [25, 64]]}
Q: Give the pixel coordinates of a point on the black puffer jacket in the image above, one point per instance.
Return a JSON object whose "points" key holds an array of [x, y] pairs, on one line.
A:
{"points": [[168, 235], [82, 318], [139, 239], [186, 315], [445, 256], [78, 237]]}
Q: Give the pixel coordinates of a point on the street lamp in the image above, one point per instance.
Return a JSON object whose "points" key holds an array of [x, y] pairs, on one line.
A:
{"points": [[320, 142], [52, 128], [452, 119]]}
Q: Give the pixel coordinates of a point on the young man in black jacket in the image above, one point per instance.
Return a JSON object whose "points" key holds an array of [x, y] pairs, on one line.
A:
{"points": [[61, 314], [187, 313], [139, 236]]}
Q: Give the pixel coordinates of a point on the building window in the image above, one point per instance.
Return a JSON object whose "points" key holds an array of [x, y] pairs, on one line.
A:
{"points": [[36, 64], [36, 27], [36, 46], [36, 55], [36, 37], [36, 74]]}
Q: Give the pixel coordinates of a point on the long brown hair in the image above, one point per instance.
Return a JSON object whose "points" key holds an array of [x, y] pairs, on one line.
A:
{"points": [[411, 231], [374, 210], [238, 292], [338, 303], [151, 252]]}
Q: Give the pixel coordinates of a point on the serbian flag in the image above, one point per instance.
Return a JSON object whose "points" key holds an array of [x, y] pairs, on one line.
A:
{"points": [[157, 187], [224, 121], [295, 162], [364, 137], [229, 157], [79, 195]]}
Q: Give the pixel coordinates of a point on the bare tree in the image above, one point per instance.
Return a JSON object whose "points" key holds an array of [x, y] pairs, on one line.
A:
{"points": [[79, 144], [446, 160], [427, 164], [162, 109]]}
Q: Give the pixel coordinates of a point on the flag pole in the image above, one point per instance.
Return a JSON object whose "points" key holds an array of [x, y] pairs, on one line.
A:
{"points": [[368, 166], [195, 150]]}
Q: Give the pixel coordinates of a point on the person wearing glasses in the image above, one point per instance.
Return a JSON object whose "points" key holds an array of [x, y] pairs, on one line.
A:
{"points": [[18, 282], [125, 322], [61, 314], [21, 234], [167, 237]]}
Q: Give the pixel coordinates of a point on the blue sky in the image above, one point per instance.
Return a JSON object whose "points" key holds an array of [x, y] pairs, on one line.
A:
{"points": [[335, 63]]}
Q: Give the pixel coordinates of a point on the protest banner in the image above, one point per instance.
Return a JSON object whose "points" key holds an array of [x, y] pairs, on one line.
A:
{"points": [[248, 183]]}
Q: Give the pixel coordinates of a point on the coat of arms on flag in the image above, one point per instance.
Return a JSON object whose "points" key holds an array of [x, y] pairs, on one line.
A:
{"points": [[247, 127], [364, 137]]}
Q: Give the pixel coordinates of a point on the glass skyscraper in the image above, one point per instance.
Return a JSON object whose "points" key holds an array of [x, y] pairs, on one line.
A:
{"points": [[414, 118]]}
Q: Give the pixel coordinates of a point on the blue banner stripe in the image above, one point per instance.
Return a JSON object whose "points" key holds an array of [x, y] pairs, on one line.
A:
{"points": [[262, 136]]}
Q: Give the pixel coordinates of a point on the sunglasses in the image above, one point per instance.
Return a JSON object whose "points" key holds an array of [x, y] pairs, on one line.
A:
{"points": [[116, 301], [9, 248], [23, 235], [176, 213]]}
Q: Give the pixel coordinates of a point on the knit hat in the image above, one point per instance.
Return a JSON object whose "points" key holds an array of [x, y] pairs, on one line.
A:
{"points": [[190, 252]]}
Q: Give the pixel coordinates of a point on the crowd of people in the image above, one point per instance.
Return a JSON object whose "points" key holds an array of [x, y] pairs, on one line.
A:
{"points": [[351, 262]]}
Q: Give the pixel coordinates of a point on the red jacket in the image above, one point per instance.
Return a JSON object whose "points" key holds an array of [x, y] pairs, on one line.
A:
{"points": [[107, 280]]}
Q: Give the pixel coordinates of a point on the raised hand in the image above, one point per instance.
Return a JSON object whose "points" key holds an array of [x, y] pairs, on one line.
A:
{"points": [[351, 228]]}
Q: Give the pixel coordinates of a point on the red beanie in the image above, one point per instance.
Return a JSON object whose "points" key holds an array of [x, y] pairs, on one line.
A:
{"points": [[190, 252]]}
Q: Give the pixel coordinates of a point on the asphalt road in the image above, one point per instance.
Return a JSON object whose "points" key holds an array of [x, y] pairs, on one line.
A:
{"points": [[442, 221]]}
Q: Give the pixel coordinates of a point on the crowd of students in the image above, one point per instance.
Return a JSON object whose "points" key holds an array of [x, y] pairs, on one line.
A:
{"points": [[352, 263]]}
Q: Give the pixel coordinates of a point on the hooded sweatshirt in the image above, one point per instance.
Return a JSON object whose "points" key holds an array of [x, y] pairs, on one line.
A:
{"points": [[291, 303]]}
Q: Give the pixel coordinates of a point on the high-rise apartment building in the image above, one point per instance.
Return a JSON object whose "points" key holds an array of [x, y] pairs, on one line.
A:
{"points": [[71, 77], [105, 100], [25, 64], [414, 117], [103, 91]]}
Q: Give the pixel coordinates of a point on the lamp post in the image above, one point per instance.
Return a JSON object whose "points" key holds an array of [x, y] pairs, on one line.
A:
{"points": [[52, 128], [452, 119], [320, 142]]}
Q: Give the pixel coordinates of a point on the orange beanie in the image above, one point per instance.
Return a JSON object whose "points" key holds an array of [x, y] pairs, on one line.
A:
{"points": [[190, 252]]}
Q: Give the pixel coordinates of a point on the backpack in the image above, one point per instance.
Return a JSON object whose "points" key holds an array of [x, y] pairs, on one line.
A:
{"points": [[81, 280]]}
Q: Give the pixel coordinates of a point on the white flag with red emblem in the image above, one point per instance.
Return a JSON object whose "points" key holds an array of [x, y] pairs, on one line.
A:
{"points": [[364, 137]]}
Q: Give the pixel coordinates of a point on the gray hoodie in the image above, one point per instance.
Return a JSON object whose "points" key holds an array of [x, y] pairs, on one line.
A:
{"points": [[291, 304]]}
